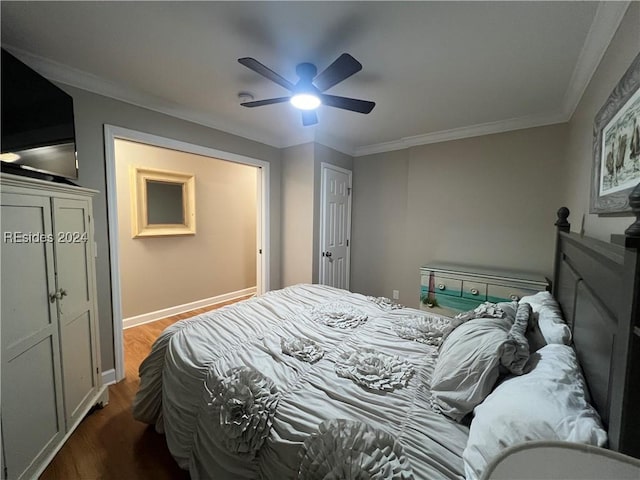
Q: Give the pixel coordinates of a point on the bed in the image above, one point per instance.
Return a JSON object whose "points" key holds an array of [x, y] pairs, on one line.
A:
{"points": [[316, 382]]}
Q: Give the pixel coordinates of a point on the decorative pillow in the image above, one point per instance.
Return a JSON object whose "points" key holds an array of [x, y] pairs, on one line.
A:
{"points": [[517, 334], [469, 365], [548, 403], [534, 336], [550, 320], [489, 310]]}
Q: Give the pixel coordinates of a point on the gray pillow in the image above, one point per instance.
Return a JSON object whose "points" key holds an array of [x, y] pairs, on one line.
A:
{"points": [[469, 364]]}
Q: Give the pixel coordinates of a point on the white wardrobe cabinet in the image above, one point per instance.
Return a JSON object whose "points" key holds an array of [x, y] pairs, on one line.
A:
{"points": [[50, 372]]}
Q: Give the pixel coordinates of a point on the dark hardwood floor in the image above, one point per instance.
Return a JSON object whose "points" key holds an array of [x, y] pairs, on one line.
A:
{"points": [[109, 443]]}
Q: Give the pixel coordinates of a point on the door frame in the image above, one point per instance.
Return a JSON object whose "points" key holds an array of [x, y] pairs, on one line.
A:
{"points": [[111, 133], [324, 166]]}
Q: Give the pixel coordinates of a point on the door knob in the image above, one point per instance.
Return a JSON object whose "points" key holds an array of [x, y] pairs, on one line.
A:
{"points": [[57, 295], [328, 254]]}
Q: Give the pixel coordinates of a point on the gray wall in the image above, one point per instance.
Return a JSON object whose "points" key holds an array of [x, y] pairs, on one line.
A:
{"points": [[301, 184], [488, 200], [623, 48], [92, 112], [323, 154]]}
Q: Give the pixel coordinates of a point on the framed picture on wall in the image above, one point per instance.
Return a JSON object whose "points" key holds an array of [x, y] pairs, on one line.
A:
{"points": [[616, 146]]}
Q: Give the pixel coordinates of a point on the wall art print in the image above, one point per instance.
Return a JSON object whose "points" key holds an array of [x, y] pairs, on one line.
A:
{"points": [[616, 146]]}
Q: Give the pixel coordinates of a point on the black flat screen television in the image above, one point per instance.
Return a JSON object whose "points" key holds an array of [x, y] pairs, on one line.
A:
{"points": [[38, 132]]}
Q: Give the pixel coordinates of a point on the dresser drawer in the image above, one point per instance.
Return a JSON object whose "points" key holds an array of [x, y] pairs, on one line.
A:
{"points": [[474, 290], [447, 286], [459, 287], [501, 293]]}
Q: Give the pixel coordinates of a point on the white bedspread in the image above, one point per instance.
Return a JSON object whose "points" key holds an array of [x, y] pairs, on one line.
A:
{"points": [[350, 364]]}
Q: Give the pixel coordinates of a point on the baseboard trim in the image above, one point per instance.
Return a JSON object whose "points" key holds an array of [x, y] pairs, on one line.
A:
{"points": [[109, 377], [167, 312]]}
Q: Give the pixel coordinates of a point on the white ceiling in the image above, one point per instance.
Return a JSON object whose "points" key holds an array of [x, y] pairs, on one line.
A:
{"points": [[436, 70]]}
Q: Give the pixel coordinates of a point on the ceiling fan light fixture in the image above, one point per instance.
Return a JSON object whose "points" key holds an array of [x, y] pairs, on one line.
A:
{"points": [[308, 93], [305, 101]]}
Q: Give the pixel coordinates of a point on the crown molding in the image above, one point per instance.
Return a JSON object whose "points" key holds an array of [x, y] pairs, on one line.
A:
{"points": [[73, 77], [604, 26], [463, 132]]}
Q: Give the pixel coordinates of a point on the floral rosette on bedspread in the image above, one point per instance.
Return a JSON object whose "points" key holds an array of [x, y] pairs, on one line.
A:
{"points": [[385, 303], [429, 329], [338, 315], [244, 402], [349, 450], [302, 349], [374, 370]]}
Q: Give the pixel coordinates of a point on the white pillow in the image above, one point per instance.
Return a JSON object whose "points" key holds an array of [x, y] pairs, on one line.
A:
{"points": [[550, 320], [548, 403]]}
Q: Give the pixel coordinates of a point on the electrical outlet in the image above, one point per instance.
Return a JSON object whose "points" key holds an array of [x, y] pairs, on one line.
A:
{"points": [[396, 294]]}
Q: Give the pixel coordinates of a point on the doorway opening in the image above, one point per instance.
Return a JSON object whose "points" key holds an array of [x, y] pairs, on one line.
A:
{"points": [[132, 261]]}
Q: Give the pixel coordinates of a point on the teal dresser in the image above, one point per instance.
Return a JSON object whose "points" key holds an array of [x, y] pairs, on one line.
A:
{"points": [[459, 288]]}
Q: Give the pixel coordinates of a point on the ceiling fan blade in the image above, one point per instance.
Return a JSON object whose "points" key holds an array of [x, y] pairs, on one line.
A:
{"points": [[257, 67], [309, 117], [342, 68], [269, 101], [352, 104]]}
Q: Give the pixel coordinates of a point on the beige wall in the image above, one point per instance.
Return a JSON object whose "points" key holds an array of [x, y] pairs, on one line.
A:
{"points": [[92, 112], [162, 272], [487, 200], [624, 47]]}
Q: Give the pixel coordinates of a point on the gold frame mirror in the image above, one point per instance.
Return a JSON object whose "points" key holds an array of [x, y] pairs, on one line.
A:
{"points": [[163, 203]]}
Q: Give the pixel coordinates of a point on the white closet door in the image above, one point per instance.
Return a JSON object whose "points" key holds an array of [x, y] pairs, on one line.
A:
{"points": [[335, 226], [74, 267], [32, 402]]}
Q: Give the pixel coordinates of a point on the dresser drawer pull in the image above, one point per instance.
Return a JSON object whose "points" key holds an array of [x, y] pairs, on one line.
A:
{"points": [[441, 286], [514, 297], [474, 291]]}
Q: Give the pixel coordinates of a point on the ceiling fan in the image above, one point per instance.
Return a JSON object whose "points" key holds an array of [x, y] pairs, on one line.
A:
{"points": [[307, 93]]}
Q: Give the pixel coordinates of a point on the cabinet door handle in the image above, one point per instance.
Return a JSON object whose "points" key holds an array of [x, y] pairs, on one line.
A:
{"points": [[441, 286], [474, 291]]}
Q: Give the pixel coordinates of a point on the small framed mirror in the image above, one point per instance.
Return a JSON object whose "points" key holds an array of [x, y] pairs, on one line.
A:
{"points": [[163, 203]]}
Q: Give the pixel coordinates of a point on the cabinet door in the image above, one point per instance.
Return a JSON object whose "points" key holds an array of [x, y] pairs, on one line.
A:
{"points": [[76, 310], [32, 403]]}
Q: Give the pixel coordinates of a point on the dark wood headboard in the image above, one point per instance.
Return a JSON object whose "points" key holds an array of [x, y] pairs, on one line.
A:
{"points": [[598, 287]]}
